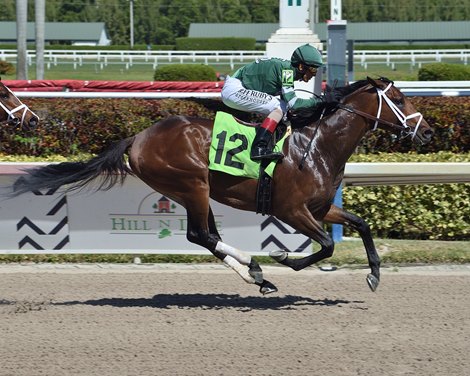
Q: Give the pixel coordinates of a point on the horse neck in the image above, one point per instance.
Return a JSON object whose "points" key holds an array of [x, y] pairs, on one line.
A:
{"points": [[338, 135]]}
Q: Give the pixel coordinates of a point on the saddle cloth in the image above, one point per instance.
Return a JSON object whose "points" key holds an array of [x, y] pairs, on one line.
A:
{"points": [[231, 145]]}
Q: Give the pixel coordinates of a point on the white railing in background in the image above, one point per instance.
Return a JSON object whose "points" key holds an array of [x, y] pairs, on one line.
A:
{"points": [[413, 57], [129, 58], [434, 88]]}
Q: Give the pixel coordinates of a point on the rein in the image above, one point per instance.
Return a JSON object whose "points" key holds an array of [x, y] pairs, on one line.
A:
{"points": [[369, 116]]}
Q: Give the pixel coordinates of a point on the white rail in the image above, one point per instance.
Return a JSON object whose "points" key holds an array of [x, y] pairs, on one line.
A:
{"points": [[363, 174], [412, 57], [129, 57]]}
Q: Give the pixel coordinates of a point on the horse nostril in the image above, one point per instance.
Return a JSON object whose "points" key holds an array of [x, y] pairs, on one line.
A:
{"points": [[33, 122], [428, 133]]}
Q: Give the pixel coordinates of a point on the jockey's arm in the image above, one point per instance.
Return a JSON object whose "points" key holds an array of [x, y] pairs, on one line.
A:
{"points": [[295, 103]]}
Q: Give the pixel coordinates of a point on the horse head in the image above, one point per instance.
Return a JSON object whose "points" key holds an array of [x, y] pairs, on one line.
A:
{"points": [[396, 112], [13, 111]]}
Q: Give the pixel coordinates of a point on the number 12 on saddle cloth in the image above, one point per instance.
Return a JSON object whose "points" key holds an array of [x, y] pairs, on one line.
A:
{"points": [[230, 148]]}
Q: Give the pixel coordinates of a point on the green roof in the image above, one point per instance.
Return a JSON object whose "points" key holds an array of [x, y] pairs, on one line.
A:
{"points": [[260, 31], [85, 32], [454, 31]]}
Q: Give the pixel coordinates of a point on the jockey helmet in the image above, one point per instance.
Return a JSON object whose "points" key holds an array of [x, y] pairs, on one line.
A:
{"points": [[308, 55]]}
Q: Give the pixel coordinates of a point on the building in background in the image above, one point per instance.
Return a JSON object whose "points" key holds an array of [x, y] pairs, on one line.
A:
{"points": [[400, 33], [74, 33]]}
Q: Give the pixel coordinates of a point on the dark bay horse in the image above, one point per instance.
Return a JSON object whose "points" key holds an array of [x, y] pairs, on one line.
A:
{"points": [[14, 112], [171, 156]]}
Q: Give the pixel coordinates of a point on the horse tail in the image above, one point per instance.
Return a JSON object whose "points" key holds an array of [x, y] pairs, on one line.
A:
{"points": [[110, 166]]}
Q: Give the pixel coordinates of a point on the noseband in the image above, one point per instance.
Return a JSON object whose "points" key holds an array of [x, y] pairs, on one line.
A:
{"points": [[11, 113], [404, 128]]}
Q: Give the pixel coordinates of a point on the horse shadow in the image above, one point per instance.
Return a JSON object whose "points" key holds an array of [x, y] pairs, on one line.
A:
{"points": [[212, 301]]}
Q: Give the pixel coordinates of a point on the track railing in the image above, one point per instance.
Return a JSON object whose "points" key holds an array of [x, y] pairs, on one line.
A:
{"points": [[129, 57]]}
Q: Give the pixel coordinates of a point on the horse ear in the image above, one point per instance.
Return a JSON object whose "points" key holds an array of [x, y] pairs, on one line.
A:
{"points": [[372, 82]]}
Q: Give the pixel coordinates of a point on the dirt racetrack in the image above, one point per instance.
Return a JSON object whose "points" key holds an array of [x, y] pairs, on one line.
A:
{"points": [[204, 320]]}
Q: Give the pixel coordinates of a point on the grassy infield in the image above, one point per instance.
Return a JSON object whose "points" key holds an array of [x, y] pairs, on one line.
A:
{"points": [[347, 252], [402, 71]]}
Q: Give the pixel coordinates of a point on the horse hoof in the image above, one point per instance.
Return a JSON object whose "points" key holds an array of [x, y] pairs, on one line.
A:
{"points": [[278, 255], [372, 281], [267, 288]]}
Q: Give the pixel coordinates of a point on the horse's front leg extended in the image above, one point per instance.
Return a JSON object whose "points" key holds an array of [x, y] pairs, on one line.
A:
{"points": [[339, 216]]}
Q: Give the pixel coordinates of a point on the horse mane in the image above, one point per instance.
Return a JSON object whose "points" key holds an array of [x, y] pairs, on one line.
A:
{"points": [[343, 91], [306, 116]]}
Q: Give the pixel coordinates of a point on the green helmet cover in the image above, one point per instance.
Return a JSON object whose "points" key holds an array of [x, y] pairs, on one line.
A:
{"points": [[308, 55]]}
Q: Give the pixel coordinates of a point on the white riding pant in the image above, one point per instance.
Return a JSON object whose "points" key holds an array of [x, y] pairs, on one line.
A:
{"points": [[236, 96]]}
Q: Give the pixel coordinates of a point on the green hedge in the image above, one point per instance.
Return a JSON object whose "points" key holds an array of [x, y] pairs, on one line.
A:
{"points": [[428, 211], [448, 116], [71, 126], [185, 72], [6, 67], [420, 211], [216, 44], [444, 72]]}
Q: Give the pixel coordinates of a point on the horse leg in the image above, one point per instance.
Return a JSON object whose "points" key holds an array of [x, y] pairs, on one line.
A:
{"points": [[233, 262], [204, 233], [254, 270], [304, 222], [339, 216]]}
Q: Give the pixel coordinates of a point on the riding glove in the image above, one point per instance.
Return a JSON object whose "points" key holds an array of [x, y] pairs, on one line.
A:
{"points": [[331, 98]]}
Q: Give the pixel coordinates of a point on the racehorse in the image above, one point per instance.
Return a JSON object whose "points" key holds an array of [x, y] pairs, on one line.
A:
{"points": [[14, 112], [172, 156]]}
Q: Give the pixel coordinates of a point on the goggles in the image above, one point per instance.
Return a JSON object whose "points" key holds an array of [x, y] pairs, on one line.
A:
{"points": [[311, 69]]}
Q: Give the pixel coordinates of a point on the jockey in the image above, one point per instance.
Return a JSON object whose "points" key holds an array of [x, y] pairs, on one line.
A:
{"points": [[266, 86]]}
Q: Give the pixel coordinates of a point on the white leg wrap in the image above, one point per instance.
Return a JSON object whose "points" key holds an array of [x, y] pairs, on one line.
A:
{"points": [[242, 270], [240, 256]]}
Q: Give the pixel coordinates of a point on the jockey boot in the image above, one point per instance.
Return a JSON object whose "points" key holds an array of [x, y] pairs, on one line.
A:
{"points": [[261, 144]]}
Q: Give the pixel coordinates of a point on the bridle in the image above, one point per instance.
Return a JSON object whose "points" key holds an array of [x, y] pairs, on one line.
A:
{"points": [[404, 128], [12, 119]]}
